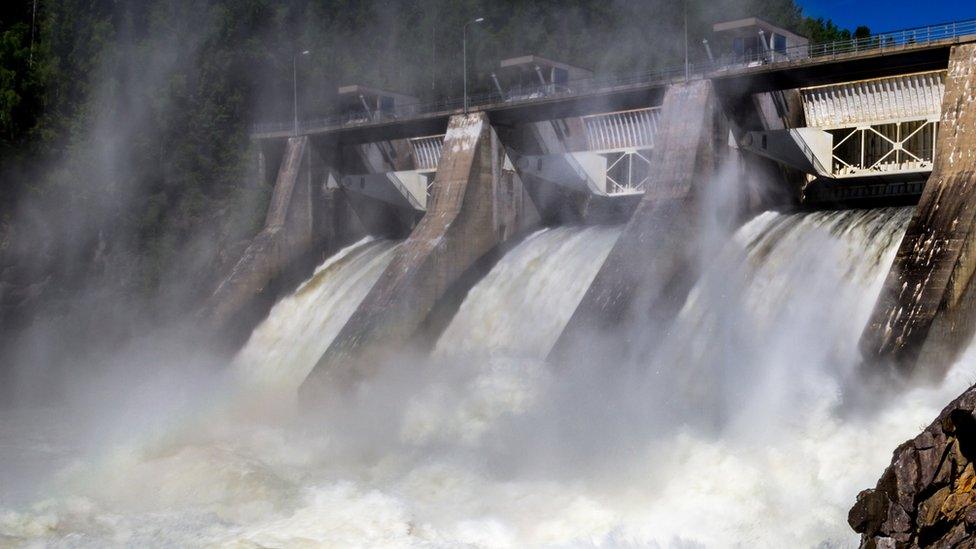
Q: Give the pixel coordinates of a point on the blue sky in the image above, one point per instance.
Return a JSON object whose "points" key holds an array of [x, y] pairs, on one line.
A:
{"points": [[886, 15]]}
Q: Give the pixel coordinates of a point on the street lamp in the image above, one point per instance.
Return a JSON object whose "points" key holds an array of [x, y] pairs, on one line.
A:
{"points": [[687, 68], [294, 83], [464, 54]]}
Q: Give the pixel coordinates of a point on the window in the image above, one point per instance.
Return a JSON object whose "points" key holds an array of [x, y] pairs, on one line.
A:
{"points": [[745, 46], [560, 76], [779, 43], [386, 104], [752, 45]]}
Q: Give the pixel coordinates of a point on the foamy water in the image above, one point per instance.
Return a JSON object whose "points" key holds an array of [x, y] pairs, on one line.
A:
{"points": [[484, 446], [522, 305], [284, 348]]}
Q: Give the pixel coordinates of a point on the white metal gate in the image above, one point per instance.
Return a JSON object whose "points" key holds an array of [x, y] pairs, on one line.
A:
{"points": [[625, 140], [427, 151], [879, 126]]}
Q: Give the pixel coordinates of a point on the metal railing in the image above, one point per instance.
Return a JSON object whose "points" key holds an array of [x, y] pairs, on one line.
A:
{"points": [[879, 42]]}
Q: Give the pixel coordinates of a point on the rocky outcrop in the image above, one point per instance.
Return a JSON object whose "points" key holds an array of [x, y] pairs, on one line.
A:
{"points": [[927, 496]]}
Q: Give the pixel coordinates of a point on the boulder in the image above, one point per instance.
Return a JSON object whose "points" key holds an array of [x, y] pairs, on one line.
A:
{"points": [[927, 496]]}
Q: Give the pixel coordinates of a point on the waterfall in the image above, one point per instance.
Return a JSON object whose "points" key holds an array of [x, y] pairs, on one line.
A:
{"points": [[284, 348], [522, 305], [739, 429], [784, 302], [489, 362]]}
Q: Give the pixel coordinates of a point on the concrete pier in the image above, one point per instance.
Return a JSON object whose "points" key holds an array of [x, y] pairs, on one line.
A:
{"points": [[475, 205], [288, 233], [645, 278], [925, 313]]}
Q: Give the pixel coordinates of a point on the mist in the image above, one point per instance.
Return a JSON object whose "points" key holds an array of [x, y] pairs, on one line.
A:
{"points": [[739, 422], [483, 443]]}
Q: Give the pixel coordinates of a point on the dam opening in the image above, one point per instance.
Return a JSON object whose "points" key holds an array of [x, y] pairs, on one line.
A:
{"points": [[685, 310]]}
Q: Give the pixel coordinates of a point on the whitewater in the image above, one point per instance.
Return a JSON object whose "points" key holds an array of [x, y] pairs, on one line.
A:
{"points": [[746, 428]]}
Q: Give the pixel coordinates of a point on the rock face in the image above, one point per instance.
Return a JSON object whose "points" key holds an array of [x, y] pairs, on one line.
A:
{"points": [[925, 312], [927, 496]]}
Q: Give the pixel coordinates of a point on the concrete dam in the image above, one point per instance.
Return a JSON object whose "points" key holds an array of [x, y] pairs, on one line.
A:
{"points": [[698, 307], [798, 129], [580, 223], [574, 229]]}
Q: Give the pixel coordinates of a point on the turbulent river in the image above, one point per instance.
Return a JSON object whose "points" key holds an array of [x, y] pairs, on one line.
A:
{"points": [[747, 427]]}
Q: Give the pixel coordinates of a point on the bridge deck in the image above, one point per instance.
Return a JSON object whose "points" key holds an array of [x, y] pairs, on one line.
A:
{"points": [[593, 96]]}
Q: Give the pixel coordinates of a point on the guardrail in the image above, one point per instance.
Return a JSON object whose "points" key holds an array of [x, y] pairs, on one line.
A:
{"points": [[881, 42]]}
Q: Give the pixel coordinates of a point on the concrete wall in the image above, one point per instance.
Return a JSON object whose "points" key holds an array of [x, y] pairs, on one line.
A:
{"points": [[474, 207], [378, 217], [289, 233], [925, 312], [559, 202], [768, 184], [646, 277]]}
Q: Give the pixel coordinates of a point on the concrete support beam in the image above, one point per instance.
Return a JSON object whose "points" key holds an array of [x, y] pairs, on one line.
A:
{"points": [[925, 313], [804, 149], [649, 271], [475, 205], [556, 204], [288, 233], [567, 189]]}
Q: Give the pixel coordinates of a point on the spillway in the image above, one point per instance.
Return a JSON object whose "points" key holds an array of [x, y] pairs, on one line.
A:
{"points": [[521, 306], [483, 444], [787, 298], [283, 349]]}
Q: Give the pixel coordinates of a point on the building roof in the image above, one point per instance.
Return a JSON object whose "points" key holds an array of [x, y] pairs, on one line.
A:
{"points": [[754, 22], [523, 60], [366, 90]]}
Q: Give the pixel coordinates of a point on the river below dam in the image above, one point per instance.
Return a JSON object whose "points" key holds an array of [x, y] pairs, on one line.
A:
{"points": [[747, 427]]}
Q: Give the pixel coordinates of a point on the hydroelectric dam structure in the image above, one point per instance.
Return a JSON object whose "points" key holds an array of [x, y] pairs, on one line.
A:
{"points": [[886, 120]]}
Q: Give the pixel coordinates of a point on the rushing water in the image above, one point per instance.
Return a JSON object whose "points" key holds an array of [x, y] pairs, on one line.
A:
{"points": [[737, 432], [285, 347], [522, 305]]}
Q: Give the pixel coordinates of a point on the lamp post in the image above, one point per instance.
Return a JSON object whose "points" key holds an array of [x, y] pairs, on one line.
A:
{"points": [[464, 55], [687, 68], [294, 83]]}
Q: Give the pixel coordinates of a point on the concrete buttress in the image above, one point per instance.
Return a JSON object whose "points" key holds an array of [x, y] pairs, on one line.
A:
{"points": [[475, 205], [925, 313], [287, 234], [647, 275]]}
